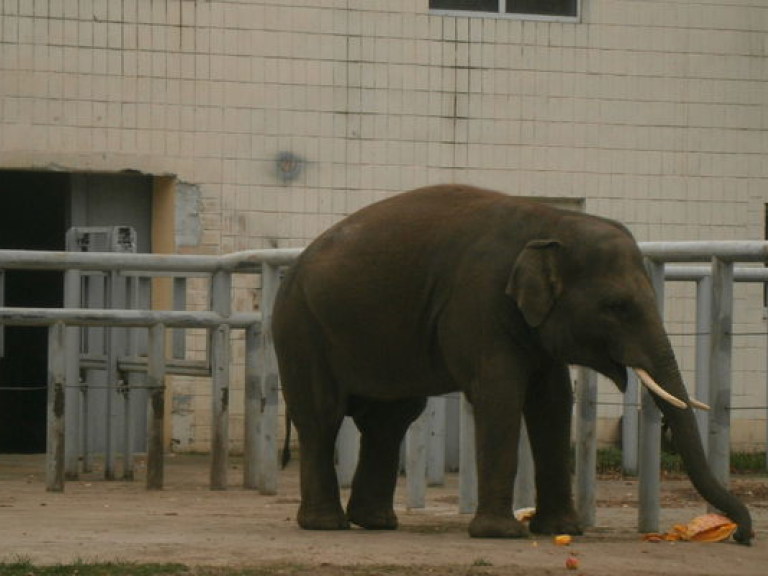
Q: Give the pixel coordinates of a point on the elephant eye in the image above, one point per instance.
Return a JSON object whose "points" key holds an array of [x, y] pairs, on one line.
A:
{"points": [[617, 306]]}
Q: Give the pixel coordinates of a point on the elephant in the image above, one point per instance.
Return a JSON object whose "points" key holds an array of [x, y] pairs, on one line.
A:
{"points": [[456, 288]]}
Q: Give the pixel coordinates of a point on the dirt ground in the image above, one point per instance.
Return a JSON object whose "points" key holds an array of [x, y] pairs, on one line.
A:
{"points": [[94, 520]]}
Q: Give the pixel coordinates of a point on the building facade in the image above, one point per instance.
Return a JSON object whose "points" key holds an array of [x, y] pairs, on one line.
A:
{"points": [[262, 122]]}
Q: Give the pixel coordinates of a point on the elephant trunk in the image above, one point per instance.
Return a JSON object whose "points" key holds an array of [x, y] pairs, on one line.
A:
{"points": [[685, 435]]}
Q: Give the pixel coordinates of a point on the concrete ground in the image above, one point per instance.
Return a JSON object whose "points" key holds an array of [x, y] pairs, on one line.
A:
{"points": [[94, 520]]}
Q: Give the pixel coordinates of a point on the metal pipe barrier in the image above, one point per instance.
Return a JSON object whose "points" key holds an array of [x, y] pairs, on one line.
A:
{"points": [[63, 448], [714, 301]]}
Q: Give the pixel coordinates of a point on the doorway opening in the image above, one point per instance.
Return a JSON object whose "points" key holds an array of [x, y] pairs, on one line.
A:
{"points": [[33, 217], [36, 210]]}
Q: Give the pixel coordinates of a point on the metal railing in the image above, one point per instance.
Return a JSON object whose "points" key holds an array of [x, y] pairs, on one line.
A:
{"points": [[260, 456], [714, 300]]}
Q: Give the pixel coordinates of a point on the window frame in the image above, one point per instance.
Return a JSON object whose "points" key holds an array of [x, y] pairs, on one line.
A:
{"points": [[502, 13]]}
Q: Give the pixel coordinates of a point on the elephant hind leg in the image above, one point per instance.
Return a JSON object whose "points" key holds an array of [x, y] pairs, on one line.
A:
{"points": [[317, 409], [320, 507], [382, 426]]}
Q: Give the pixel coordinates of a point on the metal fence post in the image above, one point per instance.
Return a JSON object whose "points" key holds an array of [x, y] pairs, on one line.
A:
{"points": [[630, 426], [436, 441], [525, 484], [179, 303], [721, 345], [416, 461], [110, 424], [73, 393], [703, 328], [586, 445], [57, 381], [134, 384], [650, 432], [347, 452], [467, 459], [156, 400], [269, 384], [252, 409], [117, 395], [221, 297]]}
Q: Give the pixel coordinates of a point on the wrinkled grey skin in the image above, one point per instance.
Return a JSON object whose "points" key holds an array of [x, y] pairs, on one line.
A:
{"points": [[455, 288]]}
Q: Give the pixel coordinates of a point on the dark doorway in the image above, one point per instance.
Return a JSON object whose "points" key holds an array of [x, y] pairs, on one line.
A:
{"points": [[33, 217], [36, 210]]}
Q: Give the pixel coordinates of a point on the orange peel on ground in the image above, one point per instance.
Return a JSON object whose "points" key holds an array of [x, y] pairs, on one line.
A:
{"points": [[706, 528]]}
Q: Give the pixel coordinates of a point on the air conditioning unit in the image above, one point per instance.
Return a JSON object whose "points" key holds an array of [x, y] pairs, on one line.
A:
{"points": [[101, 239]]}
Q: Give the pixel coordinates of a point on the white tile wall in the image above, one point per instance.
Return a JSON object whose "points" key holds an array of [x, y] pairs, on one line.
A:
{"points": [[654, 111]]}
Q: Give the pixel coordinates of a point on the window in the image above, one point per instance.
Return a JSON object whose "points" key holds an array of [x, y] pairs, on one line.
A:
{"points": [[533, 7]]}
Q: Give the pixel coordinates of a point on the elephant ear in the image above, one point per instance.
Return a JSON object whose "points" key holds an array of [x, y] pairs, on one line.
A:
{"points": [[535, 281]]}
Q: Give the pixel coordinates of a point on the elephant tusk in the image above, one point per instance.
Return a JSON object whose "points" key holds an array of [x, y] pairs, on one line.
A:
{"points": [[698, 404], [651, 384]]}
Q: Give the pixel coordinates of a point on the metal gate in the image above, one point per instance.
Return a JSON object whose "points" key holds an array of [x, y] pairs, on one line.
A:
{"points": [[108, 415]]}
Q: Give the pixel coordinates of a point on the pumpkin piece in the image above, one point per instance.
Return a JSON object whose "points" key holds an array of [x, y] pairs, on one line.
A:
{"points": [[705, 528], [710, 528]]}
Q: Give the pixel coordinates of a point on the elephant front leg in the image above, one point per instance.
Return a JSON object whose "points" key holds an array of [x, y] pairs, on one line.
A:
{"points": [[548, 408], [497, 433]]}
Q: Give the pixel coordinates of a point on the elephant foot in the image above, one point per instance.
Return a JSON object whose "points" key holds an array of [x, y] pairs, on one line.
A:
{"points": [[372, 518], [743, 536], [488, 526], [325, 519], [554, 523]]}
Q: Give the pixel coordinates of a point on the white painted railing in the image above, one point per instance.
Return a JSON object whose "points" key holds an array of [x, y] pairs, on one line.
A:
{"points": [[65, 390], [425, 447]]}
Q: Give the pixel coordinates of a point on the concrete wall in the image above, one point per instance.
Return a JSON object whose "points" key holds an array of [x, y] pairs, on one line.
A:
{"points": [[651, 111]]}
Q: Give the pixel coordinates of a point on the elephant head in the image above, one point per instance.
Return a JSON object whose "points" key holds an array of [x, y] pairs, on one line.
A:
{"points": [[592, 304]]}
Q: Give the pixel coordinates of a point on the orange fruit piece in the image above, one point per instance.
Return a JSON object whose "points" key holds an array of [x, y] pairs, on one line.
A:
{"points": [[563, 540]]}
